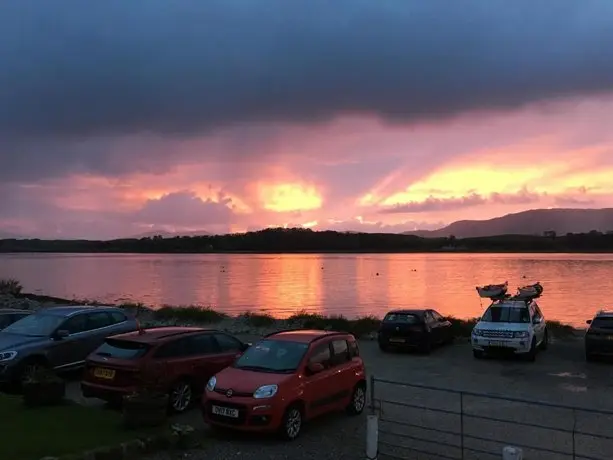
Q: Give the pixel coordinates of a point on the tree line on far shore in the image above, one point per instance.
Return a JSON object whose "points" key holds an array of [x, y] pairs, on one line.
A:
{"points": [[287, 240]]}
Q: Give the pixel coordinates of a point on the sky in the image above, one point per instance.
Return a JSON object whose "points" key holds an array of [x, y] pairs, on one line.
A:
{"points": [[120, 118]]}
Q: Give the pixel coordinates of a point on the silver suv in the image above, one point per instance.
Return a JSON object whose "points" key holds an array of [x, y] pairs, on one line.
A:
{"points": [[59, 338]]}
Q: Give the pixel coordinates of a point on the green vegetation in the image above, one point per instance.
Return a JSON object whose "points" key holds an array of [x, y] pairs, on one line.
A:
{"points": [[296, 240], [10, 286], [31, 434], [360, 327]]}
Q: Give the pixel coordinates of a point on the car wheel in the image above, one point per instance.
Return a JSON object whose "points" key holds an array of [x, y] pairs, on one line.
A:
{"points": [[589, 357], [358, 400], [384, 347], [29, 368], [531, 355], [181, 396], [477, 354], [292, 423], [426, 345], [545, 342]]}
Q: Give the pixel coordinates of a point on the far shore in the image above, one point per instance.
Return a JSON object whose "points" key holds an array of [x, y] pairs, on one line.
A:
{"points": [[364, 327]]}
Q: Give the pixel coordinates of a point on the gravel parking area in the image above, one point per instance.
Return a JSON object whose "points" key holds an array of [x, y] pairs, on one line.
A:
{"points": [[559, 375]]}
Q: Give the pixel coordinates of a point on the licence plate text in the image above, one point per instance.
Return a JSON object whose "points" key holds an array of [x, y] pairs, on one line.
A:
{"points": [[397, 340], [225, 411], [495, 343], [101, 373]]}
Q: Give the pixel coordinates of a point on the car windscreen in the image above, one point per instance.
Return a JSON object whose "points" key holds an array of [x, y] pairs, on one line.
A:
{"points": [[405, 318], [281, 356], [37, 325], [603, 323], [497, 314], [122, 349]]}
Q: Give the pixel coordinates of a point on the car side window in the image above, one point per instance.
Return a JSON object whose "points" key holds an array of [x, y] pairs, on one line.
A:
{"points": [[118, 317], [203, 344], [437, 316], [174, 349], [75, 324], [227, 343], [340, 351], [5, 320], [98, 320], [354, 349], [428, 318], [321, 354]]}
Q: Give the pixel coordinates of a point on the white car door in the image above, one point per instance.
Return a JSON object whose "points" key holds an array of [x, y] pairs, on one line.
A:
{"points": [[538, 322]]}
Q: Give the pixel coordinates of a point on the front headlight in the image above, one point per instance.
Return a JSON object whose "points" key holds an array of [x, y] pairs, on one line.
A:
{"points": [[7, 355], [266, 391], [520, 335], [211, 383]]}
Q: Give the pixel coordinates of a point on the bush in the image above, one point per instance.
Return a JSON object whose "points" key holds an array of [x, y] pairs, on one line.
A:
{"points": [[10, 286]]}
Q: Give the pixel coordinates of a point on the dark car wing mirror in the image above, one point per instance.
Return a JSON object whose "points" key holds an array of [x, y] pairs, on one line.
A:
{"points": [[61, 334], [315, 368], [589, 321], [245, 346]]}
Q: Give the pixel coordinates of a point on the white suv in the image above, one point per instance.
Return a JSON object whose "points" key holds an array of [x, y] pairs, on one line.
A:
{"points": [[512, 326]]}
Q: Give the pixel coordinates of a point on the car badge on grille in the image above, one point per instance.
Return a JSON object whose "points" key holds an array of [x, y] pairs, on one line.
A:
{"points": [[229, 393]]}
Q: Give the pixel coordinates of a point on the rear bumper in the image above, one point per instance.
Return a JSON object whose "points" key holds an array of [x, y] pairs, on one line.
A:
{"points": [[599, 347], [411, 339], [105, 392], [253, 415]]}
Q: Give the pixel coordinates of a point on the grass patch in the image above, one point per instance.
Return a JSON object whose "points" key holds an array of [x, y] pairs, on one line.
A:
{"points": [[192, 314], [31, 434], [462, 327], [559, 329], [258, 319]]}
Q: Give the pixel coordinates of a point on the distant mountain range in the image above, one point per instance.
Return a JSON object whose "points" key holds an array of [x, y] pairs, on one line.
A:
{"points": [[532, 222]]}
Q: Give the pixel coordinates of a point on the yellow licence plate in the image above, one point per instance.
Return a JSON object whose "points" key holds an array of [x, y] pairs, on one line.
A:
{"points": [[108, 374]]}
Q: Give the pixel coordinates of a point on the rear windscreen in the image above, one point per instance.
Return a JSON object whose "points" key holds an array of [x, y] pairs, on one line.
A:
{"points": [[605, 323], [121, 349], [401, 318]]}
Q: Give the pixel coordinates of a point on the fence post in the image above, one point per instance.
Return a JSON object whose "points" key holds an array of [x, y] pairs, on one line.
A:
{"points": [[512, 453], [372, 426], [462, 425]]}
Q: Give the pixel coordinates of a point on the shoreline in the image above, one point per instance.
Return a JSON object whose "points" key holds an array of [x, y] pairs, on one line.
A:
{"points": [[257, 323]]}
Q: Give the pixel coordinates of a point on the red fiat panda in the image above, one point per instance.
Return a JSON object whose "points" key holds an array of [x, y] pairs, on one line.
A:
{"points": [[285, 379]]}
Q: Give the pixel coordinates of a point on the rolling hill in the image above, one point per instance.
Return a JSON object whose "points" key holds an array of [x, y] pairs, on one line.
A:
{"points": [[532, 222]]}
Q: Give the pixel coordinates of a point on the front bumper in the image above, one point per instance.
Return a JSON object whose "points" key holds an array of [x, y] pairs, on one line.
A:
{"points": [[252, 414], [8, 372], [501, 345]]}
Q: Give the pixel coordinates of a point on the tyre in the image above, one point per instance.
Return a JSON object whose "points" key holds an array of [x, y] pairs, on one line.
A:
{"points": [[358, 400], [180, 397], [384, 347], [426, 346], [477, 354], [531, 355], [28, 368], [545, 342], [590, 358], [291, 426]]}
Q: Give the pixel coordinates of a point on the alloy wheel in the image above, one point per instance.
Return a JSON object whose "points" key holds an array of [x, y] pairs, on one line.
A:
{"points": [[181, 397], [293, 423], [359, 399]]}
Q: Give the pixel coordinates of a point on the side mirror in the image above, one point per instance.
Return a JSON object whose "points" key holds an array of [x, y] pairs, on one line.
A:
{"points": [[61, 334], [589, 321], [245, 346], [536, 320], [315, 368]]}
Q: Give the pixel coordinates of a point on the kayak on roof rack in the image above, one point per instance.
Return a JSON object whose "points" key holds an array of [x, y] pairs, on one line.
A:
{"points": [[493, 290], [530, 291]]}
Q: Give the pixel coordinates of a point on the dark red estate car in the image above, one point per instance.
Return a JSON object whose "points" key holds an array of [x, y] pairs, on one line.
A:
{"points": [[186, 358], [285, 379]]}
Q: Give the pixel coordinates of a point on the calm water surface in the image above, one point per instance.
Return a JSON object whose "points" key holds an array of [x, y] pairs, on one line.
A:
{"points": [[576, 285]]}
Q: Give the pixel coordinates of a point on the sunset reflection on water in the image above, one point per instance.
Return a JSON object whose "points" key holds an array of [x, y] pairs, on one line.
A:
{"points": [[352, 285]]}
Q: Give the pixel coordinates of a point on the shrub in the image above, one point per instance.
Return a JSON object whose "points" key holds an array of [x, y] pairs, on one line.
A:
{"points": [[10, 286]]}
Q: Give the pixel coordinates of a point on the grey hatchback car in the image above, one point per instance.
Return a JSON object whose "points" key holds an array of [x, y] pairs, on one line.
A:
{"points": [[59, 338]]}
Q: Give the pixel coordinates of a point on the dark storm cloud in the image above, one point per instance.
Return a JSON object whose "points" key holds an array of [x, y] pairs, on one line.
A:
{"points": [[72, 69]]}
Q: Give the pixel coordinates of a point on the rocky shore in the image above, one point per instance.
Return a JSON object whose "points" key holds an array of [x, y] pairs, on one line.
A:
{"points": [[248, 323]]}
